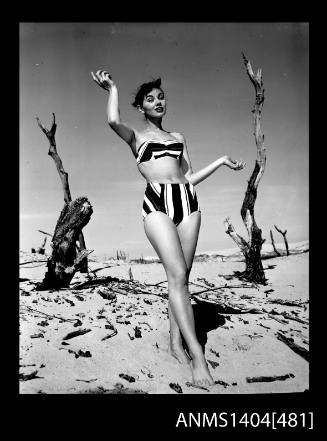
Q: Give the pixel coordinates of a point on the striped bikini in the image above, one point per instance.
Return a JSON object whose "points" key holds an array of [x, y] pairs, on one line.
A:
{"points": [[176, 200], [153, 149]]}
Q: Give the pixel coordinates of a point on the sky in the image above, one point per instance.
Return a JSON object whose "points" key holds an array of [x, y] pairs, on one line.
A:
{"points": [[210, 99]]}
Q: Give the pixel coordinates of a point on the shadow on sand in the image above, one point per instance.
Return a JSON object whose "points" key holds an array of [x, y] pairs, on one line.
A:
{"points": [[206, 319]]}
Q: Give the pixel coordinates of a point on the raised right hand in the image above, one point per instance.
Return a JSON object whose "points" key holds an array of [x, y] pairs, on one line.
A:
{"points": [[103, 79]]}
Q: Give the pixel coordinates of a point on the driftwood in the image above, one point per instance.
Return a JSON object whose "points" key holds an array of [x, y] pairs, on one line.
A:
{"points": [[87, 381], [50, 134], [176, 387], [300, 350], [298, 303], [146, 323], [222, 383], [118, 389], [112, 334], [76, 333], [128, 378], [28, 308], [27, 377], [251, 248], [32, 261], [80, 353], [291, 317], [264, 379], [279, 320], [273, 244], [213, 364], [222, 307], [283, 233]]}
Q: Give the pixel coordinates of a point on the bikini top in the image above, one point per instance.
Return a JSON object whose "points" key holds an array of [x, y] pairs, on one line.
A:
{"points": [[153, 149]]}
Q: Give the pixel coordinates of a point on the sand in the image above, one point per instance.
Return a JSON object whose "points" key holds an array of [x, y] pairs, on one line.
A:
{"points": [[242, 342]]}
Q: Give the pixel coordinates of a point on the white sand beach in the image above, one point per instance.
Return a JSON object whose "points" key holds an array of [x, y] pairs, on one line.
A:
{"points": [[256, 337]]}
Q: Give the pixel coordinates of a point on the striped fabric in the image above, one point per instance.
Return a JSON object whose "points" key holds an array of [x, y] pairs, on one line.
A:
{"points": [[176, 200], [153, 149]]}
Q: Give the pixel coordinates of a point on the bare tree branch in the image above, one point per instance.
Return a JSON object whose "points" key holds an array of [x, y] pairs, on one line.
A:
{"points": [[259, 99], [50, 134], [44, 232], [230, 230], [273, 244], [283, 233]]}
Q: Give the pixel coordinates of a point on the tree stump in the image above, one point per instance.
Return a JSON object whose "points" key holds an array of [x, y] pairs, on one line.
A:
{"points": [[64, 261]]}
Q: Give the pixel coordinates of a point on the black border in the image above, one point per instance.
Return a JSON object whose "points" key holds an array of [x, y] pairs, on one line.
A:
{"points": [[157, 414]]}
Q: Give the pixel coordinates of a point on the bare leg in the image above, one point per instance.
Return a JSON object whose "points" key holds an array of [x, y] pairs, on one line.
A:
{"points": [[163, 236], [188, 232], [176, 348]]}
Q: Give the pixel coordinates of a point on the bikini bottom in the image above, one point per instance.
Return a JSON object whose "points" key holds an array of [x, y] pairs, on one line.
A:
{"points": [[176, 200]]}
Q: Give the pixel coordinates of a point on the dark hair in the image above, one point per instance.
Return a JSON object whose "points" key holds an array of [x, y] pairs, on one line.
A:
{"points": [[144, 89]]}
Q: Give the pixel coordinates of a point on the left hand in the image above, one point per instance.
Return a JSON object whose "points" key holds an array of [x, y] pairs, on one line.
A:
{"points": [[234, 165]]}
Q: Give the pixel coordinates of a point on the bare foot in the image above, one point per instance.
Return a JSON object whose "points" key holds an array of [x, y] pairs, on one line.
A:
{"points": [[177, 351], [200, 372]]}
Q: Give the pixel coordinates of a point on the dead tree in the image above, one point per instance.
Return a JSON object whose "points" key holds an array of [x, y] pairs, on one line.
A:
{"points": [[121, 255], [50, 134], [251, 248], [273, 244], [41, 249], [64, 260], [283, 233]]}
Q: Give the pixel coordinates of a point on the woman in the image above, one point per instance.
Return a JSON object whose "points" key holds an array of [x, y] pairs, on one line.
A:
{"points": [[171, 213]]}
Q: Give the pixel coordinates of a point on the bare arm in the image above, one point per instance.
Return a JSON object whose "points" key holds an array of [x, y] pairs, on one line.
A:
{"points": [[104, 80], [199, 176]]}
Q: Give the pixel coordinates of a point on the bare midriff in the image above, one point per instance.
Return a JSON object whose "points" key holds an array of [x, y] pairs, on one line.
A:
{"points": [[164, 170]]}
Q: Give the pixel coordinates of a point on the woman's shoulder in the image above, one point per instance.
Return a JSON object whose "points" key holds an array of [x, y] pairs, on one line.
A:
{"points": [[179, 136]]}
